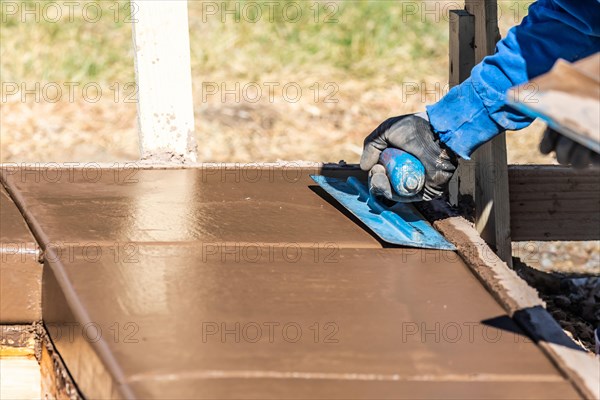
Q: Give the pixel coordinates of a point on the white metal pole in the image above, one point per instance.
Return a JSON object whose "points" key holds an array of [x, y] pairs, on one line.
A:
{"points": [[164, 79]]}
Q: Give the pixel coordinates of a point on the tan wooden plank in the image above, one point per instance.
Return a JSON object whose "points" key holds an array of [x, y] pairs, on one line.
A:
{"points": [[20, 378], [567, 98]]}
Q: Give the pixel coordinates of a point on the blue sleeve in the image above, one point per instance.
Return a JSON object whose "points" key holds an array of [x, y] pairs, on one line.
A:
{"points": [[475, 111]]}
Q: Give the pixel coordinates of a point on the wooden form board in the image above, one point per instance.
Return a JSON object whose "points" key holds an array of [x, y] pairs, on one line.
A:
{"points": [[163, 74], [552, 202]]}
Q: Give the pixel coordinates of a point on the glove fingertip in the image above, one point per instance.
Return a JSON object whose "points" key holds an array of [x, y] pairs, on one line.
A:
{"points": [[564, 149], [369, 158], [581, 157], [548, 142], [379, 184], [595, 160], [545, 148]]}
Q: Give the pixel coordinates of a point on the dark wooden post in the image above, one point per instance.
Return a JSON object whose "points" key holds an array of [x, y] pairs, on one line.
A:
{"points": [[462, 61], [486, 177]]}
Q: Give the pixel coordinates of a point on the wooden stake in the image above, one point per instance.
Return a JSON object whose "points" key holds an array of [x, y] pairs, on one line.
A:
{"points": [[462, 61], [462, 46], [492, 206]]}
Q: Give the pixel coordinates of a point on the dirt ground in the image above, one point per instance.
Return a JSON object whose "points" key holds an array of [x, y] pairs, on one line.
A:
{"points": [[226, 132]]}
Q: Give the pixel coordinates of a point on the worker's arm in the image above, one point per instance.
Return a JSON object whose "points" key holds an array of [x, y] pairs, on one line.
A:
{"points": [[475, 111]]}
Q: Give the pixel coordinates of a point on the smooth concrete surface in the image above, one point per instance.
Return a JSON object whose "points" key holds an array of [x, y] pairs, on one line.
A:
{"points": [[20, 271], [183, 285], [173, 206], [373, 316]]}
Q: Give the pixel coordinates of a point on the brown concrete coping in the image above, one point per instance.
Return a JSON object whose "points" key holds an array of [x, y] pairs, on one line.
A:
{"points": [[20, 271], [381, 323], [158, 286], [220, 204]]}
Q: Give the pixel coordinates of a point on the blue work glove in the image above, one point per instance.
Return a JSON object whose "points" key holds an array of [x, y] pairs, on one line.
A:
{"points": [[413, 134], [567, 151]]}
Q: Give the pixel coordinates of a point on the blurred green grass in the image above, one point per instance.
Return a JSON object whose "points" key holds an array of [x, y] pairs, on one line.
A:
{"points": [[35, 48], [359, 39]]}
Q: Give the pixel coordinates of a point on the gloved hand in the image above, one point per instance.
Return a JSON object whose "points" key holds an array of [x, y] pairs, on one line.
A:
{"points": [[413, 134], [567, 151]]}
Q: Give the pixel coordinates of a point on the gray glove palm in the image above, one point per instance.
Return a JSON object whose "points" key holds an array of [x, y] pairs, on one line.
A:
{"points": [[567, 151], [414, 135]]}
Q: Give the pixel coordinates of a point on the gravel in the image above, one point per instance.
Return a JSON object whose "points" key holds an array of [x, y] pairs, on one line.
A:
{"points": [[572, 298]]}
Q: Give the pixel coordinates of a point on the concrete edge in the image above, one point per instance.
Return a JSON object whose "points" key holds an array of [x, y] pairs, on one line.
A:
{"points": [[102, 377], [21, 310], [520, 301], [4, 184], [37, 233]]}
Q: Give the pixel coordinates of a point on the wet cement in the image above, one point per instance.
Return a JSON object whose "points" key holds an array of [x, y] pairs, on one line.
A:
{"points": [[173, 206], [184, 286], [20, 271], [384, 317]]}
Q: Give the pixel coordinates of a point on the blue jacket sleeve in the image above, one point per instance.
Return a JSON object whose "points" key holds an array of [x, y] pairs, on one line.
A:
{"points": [[475, 111]]}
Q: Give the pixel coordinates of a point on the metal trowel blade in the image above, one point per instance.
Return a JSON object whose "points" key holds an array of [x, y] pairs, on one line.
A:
{"points": [[399, 223]]}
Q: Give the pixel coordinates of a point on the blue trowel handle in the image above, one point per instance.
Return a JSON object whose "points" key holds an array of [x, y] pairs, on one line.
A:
{"points": [[405, 171]]}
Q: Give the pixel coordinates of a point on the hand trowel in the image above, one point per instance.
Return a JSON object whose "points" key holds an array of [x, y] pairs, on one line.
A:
{"points": [[398, 223]]}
